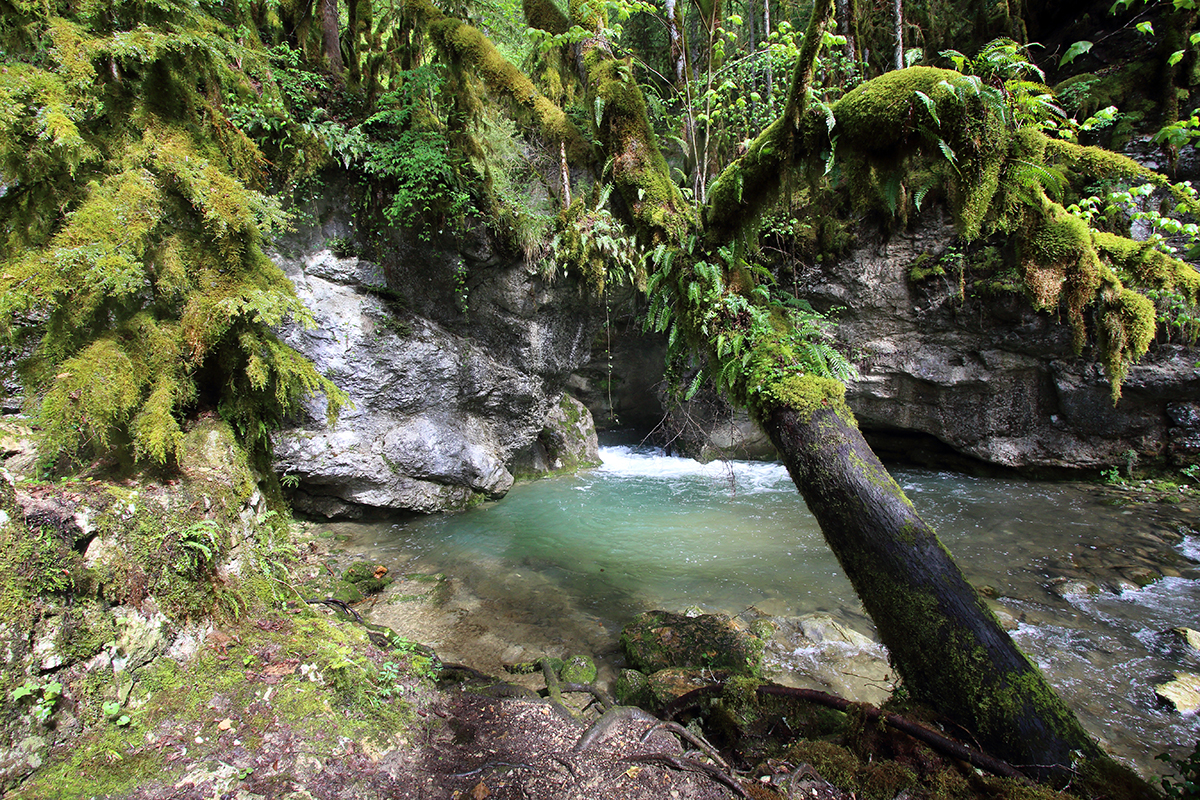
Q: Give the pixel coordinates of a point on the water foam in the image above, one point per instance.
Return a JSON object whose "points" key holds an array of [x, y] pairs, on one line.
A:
{"points": [[641, 462]]}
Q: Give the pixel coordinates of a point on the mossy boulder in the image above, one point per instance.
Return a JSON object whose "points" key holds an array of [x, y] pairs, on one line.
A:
{"points": [[367, 576], [579, 669], [347, 593], [657, 640], [632, 688]]}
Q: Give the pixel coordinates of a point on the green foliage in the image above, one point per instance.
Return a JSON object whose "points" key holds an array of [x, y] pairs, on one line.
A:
{"points": [[592, 242], [756, 340], [1186, 784], [409, 152], [134, 226], [41, 697]]}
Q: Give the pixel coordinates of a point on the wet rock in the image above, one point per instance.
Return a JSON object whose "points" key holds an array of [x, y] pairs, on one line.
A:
{"points": [[816, 651], [1072, 587], [656, 640], [1007, 621], [1190, 638], [567, 442], [670, 684], [1141, 576], [1183, 693]]}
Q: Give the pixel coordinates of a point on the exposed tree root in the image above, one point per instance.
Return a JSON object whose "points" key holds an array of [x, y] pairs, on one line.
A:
{"points": [[940, 743], [698, 741], [601, 728], [688, 765], [596, 692]]}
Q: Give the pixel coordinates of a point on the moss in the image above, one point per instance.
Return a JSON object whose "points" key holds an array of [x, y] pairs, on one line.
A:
{"points": [[632, 688], [806, 395], [1141, 264], [639, 168], [925, 266], [579, 669], [468, 46], [883, 114]]}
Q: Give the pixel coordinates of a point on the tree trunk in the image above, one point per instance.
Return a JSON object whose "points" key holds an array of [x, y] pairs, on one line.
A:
{"points": [[329, 33], [845, 19], [898, 24], [941, 637]]}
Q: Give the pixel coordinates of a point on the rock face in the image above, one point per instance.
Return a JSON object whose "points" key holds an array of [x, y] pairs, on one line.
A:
{"points": [[957, 371], [986, 375], [453, 356]]}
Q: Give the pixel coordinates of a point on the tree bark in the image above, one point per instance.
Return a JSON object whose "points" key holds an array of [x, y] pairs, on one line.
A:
{"points": [[941, 637], [329, 34], [898, 26]]}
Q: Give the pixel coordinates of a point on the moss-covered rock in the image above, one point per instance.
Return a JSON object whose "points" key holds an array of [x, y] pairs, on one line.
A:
{"points": [[657, 640], [578, 669], [367, 576], [632, 688]]}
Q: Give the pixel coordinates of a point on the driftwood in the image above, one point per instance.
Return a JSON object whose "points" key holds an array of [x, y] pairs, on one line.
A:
{"points": [[940, 743]]}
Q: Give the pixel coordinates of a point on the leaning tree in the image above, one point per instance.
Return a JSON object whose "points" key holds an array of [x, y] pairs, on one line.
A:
{"points": [[998, 175]]}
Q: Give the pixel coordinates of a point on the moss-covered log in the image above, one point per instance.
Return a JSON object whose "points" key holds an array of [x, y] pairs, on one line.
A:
{"points": [[940, 635]]}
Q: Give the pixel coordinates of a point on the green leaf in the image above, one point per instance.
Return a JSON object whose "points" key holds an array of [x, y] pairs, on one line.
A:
{"points": [[930, 106], [1175, 57], [1074, 51], [1145, 27]]}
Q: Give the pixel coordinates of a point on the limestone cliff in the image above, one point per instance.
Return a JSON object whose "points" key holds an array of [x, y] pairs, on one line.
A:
{"points": [[453, 354]]}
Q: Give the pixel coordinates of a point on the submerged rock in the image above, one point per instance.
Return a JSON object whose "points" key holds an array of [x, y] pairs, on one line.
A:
{"points": [[656, 640], [1072, 587], [1189, 637]]}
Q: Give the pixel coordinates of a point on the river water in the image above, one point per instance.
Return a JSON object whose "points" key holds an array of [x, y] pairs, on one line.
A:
{"points": [[565, 562]]}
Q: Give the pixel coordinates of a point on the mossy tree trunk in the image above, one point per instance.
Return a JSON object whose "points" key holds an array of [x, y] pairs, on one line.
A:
{"points": [[941, 637], [329, 35]]}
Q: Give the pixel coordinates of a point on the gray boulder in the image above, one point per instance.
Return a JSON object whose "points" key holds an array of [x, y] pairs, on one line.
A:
{"points": [[450, 378]]}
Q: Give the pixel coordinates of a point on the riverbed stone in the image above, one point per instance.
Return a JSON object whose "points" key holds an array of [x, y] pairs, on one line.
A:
{"points": [[1189, 637], [1142, 576], [1072, 587], [1183, 693], [656, 640]]}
